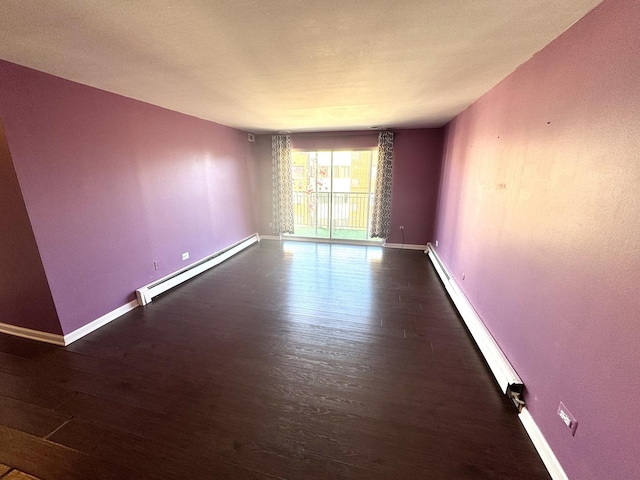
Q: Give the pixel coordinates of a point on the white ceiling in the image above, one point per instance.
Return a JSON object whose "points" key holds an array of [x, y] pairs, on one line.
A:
{"points": [[299, 65]]}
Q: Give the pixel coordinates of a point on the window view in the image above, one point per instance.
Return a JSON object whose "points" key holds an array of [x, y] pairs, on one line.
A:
{"points": [[333, 193]]}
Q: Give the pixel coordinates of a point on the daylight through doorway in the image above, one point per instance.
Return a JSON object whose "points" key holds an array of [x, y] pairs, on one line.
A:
{"points": [[333, 193]]}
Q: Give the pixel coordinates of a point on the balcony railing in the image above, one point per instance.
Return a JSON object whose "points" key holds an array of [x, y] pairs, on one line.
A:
{"points": [[347, 214]]}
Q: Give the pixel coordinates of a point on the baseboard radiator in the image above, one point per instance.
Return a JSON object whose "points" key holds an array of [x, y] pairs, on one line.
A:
{"points": [[148, 292], [504, 373]]}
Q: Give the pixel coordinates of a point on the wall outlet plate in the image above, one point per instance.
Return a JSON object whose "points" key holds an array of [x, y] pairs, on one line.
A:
{"points": [[185, 255], [568, 419]]}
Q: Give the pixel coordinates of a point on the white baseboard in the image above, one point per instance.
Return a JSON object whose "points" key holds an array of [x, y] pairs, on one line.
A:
{"points": [[540, 443], [338, 241], [67, 339], [99, 322], [405, 246], [32, 334], [502, 370], [270, 237]]}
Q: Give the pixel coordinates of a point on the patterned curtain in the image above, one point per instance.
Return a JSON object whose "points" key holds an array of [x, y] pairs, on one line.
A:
{"points": [[282, 184], [381, 218]]}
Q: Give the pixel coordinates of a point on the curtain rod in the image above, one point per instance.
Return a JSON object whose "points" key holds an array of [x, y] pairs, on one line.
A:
{"points": [[335, 134]]}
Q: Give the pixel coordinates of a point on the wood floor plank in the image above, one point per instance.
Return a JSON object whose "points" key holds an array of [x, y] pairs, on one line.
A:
{"points": [[146, 455], [130, 386], [29, 418], [35, 391], [291, 361], [4, 469], [50, 461], [16, 475]]}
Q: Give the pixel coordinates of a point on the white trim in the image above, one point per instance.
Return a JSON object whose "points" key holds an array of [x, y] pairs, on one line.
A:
{"points": [[502, 370], [338, 241], [270, 237], [145, 294], [32, 334], [405, 246], [69, 337], [544, 450], [99, 322]]}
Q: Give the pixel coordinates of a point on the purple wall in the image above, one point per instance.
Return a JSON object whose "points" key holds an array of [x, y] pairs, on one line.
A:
{"points": [[334, 141], [540, 210], [417, 159], [112, 185], [416, 175], [25, 298]]}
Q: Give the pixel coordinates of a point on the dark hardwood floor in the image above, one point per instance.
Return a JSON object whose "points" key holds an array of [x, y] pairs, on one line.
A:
{"points": [[291, 361]]}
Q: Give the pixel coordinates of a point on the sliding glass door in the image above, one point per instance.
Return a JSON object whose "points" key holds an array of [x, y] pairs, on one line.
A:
{"points": [[333, 193]]}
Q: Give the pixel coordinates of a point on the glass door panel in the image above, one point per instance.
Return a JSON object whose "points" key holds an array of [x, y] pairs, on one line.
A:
{"points": [[333, 193]]}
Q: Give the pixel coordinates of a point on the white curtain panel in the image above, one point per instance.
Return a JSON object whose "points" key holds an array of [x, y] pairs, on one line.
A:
{"points": [[381, 219], [282, 184]]}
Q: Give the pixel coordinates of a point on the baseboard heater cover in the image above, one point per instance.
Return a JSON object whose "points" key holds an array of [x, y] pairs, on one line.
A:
{"points": [[404, 246], [502, 370], [147, 293]]}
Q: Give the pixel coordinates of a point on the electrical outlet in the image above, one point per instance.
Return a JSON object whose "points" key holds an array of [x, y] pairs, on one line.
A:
{"points": [[436, 243], [568, 419], [401, 227], [185, 255], [156, 265]]}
